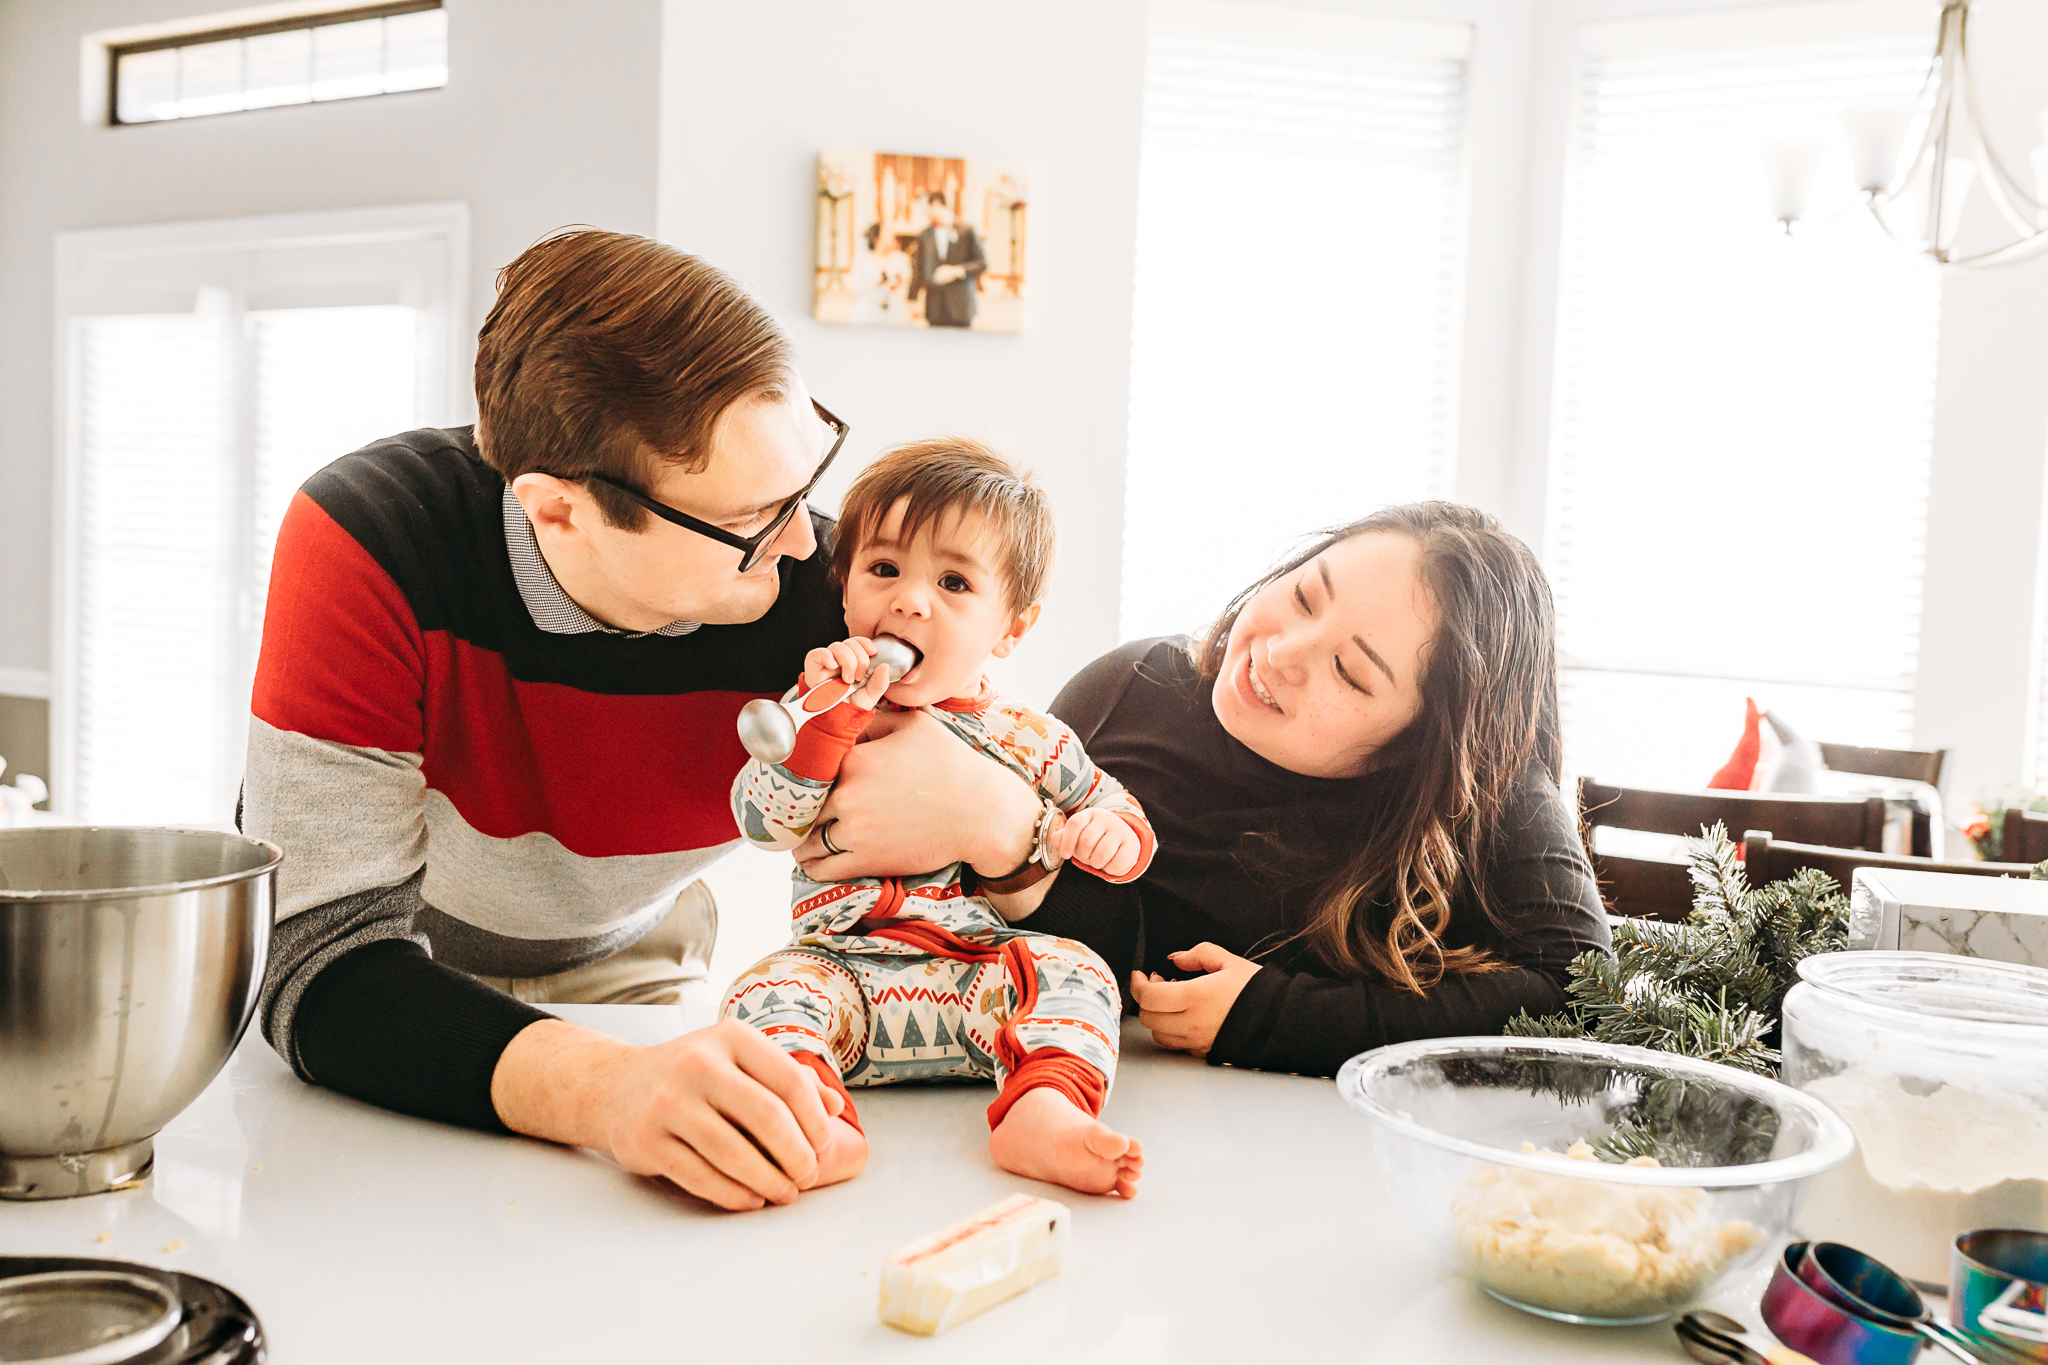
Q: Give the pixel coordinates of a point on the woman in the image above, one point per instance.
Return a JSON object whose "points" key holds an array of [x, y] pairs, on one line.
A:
{"points": [[1354, 780]]}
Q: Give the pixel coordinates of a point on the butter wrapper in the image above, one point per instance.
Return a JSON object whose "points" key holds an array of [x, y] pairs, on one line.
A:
{"points": [[946, 1278]]}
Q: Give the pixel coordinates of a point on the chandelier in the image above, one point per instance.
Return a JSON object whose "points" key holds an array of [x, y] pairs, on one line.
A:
{"points": [[1919, 201]]}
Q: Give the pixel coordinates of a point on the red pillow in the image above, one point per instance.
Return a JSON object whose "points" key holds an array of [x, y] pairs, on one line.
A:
{"points": [[1740, 769]]}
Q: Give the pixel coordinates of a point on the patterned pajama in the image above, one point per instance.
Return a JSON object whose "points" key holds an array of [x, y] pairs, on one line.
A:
{"points": [[892, 979]]}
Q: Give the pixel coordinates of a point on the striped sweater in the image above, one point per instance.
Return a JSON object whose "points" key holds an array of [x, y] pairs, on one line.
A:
{"points": [[468, 774]]}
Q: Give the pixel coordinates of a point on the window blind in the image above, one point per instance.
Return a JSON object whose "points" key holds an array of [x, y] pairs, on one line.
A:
{"points": [[195, 430], [1297, 296], [153, 654], [290, 61], [1743, 420], [208, 369]]}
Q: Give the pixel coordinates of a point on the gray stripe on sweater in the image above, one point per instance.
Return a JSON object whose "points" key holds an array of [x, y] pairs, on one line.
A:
{"points": [[531, 887], [372, 853], [348, 819]]}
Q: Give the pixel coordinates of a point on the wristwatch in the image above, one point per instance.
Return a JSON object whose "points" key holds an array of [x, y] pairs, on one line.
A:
{"points": [[1043, 861]]}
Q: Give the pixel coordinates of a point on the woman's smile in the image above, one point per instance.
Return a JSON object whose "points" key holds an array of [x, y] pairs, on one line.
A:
{"points": [[1258, 689]]}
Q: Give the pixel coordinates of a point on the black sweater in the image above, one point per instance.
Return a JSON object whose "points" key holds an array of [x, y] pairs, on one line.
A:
{"points": [[1145, 717]]}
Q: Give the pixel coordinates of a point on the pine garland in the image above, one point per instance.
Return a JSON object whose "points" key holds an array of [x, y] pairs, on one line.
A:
{"points": [[1710, 987]]}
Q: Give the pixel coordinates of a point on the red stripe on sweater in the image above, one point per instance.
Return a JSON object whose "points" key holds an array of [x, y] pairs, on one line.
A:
{"points": [[342, 658], [605, 775], [344, 661]]}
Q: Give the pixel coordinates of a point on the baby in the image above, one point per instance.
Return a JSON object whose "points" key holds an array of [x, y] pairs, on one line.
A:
{"points": [[888, 979]]}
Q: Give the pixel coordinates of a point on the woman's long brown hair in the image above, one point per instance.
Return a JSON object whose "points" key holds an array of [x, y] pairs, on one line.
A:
{"points": [[1489, 711]]}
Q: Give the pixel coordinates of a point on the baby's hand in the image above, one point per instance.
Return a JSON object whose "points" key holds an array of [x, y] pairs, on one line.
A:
{"points": [[1101, 840], [849, 660]]}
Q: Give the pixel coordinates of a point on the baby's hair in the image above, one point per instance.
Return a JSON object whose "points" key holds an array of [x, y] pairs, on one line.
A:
{"points": [[950, 476]]}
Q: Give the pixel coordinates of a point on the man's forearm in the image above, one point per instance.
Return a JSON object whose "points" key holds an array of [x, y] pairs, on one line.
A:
{"points": [[550, 1081], [387, 1024], [998, 844]]}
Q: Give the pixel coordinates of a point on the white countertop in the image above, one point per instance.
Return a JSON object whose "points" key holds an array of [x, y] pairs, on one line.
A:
{"points": [[1261, 1233]]}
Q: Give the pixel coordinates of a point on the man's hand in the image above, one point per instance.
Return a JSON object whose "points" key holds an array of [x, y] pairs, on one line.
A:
{"points": [[1185, 1015], [722, 1112], [1100, 839], [912, 798], [946, 274]]}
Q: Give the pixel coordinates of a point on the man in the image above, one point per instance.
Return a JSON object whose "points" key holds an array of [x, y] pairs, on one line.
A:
{"points": [[948, 270], [493, 725]]}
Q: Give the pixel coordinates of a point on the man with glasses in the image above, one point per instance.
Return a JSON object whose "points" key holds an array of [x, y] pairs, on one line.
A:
{"points": [[493, 725]]}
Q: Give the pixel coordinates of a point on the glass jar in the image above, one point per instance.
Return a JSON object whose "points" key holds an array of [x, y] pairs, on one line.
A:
{"points": [[1940, 1066]]}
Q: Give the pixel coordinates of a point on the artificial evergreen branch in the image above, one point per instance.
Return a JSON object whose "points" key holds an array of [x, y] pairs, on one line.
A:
{"points": [[1710, 987]]}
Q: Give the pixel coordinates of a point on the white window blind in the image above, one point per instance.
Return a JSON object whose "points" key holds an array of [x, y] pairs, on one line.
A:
{"points": [[205, 386], [303, 60], [1295, 335], [152, 655], [1743, 420]]}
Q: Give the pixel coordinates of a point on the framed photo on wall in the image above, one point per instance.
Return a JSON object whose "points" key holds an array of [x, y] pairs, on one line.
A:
{"points": [[921, 241]]}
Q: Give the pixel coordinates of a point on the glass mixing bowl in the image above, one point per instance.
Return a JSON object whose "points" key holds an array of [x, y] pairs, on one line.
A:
{"points": [[1679, 1171]]}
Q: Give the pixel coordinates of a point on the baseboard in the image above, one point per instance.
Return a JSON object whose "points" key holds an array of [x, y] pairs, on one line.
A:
{"points": [[25, 682]]}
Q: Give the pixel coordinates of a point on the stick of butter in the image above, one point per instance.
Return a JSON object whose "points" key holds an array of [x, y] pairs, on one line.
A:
{"points": [[942, 1280]]}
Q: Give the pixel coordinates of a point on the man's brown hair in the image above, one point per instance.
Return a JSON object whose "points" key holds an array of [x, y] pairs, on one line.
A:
{"points": [[950, 476], [607, 353]]}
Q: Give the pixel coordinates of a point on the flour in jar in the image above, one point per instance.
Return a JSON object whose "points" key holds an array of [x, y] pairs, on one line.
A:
{"points": [[1593, 1248], [1926, 1167]]}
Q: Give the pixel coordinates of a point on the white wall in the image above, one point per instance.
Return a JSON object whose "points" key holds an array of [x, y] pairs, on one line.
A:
{"points": [[750, 95], [1984, 533], [548, 118]]}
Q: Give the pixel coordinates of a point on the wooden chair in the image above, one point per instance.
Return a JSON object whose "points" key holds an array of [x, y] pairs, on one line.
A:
{"points": [[1907, 765], [1903, 765], [1766, 859], [2024, 838], [1647, 888]]}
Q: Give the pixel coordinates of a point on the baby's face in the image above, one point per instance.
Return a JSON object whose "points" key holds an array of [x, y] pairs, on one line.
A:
{"points": [[943, 593]]}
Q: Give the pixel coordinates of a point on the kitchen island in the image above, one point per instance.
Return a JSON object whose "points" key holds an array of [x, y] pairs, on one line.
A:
{"points": [[1261, 1233]]}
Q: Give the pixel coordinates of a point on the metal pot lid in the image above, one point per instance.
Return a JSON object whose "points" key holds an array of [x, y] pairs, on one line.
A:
{"points": [[83, 1317]]}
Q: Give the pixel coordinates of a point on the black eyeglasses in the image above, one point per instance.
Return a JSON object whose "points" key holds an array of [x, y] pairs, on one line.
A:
{"points": [[750, 547]]}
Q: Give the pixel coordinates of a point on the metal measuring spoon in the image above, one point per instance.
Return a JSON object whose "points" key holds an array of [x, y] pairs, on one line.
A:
{"points": [[1720, 1334], [768, 728], [1871, 1289], [1708, 1348]]}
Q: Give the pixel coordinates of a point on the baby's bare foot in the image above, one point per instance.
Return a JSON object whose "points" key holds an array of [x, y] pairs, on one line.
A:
{"points": [[1046, 1138], [846, 1152]]}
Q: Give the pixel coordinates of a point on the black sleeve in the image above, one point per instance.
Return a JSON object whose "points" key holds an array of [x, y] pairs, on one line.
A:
{"points": [[1549, 912], [1079, 906], [388, 1024], [1292, 1021], [1090, 695], [1086, 908]]}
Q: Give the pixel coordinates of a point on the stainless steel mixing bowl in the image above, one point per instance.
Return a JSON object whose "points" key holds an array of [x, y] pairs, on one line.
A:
{"points": [[130, 961]]}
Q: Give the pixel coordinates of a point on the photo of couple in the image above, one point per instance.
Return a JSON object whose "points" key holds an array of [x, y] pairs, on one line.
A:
{"points": [[920, 241]]}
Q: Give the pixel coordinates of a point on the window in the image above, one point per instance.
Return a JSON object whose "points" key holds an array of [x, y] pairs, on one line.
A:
{"points": [[1743, 419], [342, 54], [1295, 334], [209, 370]]}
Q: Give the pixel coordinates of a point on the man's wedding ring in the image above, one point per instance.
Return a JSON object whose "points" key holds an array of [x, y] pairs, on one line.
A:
{"points": [[825, 838]]}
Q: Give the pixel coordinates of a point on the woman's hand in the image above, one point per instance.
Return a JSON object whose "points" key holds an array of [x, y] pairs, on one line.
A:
{"points": [[912, 798], [1185, 1015]]}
